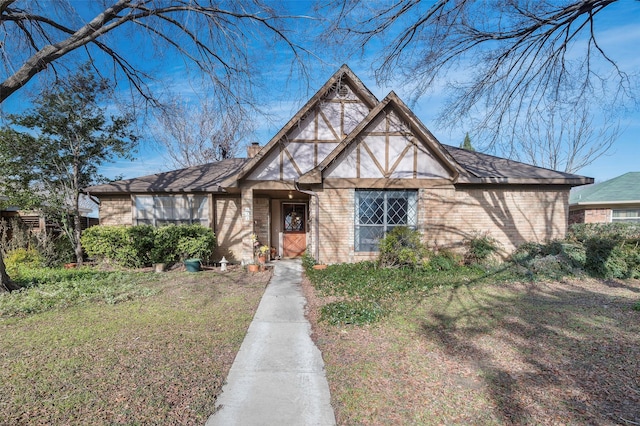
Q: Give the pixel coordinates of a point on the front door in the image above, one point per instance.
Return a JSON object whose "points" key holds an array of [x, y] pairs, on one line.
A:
{"points": [[294, 217]]}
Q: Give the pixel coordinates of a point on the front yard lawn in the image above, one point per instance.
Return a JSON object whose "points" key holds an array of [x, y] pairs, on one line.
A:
{"points": [[562, 352], [146, 349]]}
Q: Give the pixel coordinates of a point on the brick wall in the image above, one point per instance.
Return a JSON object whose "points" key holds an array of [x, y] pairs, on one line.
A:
{"points": [[597, 215], [115, 210], [512, 215], [446, 216], [336, 225], [228, 228], [576, 216]]}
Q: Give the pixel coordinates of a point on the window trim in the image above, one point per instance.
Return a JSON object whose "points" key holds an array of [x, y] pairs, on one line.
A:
{"points": [[410, 195]]}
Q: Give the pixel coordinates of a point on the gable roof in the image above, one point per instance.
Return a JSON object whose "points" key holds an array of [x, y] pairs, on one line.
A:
{"points": [[624, 189], [393, 101], [344, 73], [203, 178]]}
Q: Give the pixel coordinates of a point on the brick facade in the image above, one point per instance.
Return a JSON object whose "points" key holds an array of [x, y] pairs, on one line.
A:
{"points": [[116, 210], [446, 216], [587, 215]]}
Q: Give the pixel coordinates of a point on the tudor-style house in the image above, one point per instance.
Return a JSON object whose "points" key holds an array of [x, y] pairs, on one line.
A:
{"points": [[343, 171]]}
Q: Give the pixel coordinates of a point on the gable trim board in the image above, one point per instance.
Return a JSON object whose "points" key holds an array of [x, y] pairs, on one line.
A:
{"points": [[342, 143]]}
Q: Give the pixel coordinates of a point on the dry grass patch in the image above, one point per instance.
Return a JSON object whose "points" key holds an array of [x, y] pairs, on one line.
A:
{"points": [[541, 353], [161, 359]]}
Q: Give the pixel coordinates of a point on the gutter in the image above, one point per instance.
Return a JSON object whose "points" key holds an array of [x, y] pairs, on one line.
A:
{"points": [[316, 221]]}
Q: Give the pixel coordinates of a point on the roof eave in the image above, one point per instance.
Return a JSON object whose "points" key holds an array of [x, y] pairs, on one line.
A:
{"points": [[526, 181], [605, 203]]}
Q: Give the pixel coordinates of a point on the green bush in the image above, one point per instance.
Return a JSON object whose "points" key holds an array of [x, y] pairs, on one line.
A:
{"points": [[124, 245], [141, 245], [479, 248], [196, 242], [444, 260], [401, 246], [19, 258], [612, 250]]}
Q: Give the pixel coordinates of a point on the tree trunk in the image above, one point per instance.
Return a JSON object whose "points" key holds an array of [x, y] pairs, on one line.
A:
{"points": [[5, 282], [77, 227]]}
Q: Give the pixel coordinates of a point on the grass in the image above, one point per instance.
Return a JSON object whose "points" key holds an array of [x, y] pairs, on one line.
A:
{"points": [[478, 351], [156, 350]]}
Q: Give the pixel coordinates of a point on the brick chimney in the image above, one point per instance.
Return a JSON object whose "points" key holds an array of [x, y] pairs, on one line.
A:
{"points": [[253, 149]]}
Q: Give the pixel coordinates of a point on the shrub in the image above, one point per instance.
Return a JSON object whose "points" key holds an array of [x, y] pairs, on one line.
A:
{"points": [[123, 245], [19, 258], [479, 248], [140, 245], [611, 249], [196, 241], [55, 249], [401, 246], [444, 260]]}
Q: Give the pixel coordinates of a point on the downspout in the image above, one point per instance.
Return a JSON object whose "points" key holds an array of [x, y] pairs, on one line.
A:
{"points": [[317, 219]]}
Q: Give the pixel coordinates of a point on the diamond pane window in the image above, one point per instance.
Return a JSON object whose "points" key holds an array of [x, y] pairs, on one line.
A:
{"points": [[166, 210], [377, 212]]}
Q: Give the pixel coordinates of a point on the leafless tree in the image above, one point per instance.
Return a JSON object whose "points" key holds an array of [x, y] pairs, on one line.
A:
{"points": [[217, 37], [565, 140], [216, 41], [504, 60], [195, 133]]}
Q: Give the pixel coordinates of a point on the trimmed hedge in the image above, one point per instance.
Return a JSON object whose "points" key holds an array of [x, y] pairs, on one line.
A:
{"points": [[143, 245]]}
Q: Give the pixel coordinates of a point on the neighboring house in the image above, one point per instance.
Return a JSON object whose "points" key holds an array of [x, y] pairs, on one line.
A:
{"points": [[343, 171], [36, 221], [614, 200]]}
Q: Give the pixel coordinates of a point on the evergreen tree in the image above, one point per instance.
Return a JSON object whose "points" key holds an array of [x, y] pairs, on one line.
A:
{"points": [[68, 136], [466, 143]]}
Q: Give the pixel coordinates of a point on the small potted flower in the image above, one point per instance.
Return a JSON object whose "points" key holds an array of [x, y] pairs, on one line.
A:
{"points": [[262, 254]]}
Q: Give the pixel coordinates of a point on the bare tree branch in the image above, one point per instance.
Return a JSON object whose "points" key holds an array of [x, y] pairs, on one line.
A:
{"points": [[503, 59], [204, 24]]}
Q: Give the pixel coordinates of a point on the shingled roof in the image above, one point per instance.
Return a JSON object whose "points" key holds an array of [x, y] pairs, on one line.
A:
{"points": [[480, 168], [203, 178], [620, 190], [484, 168]]}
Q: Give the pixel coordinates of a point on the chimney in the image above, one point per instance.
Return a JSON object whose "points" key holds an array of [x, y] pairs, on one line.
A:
{"points": [[253, 149]]}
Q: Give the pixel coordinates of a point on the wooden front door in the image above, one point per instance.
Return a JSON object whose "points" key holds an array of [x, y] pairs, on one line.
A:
{"points": [[294, 218]]}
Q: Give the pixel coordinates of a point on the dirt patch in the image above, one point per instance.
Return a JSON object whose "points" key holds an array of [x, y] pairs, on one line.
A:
{"points": [[543, 353]]}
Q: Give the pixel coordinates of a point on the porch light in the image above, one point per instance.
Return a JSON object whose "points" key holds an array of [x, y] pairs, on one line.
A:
{"points": [[290, 195]]}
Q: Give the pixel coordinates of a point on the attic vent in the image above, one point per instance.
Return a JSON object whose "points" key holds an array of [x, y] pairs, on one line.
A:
{"points": [[343, 90]]}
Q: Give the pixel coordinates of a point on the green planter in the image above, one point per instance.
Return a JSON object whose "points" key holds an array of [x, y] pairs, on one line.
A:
{"points": [[192, 265]]}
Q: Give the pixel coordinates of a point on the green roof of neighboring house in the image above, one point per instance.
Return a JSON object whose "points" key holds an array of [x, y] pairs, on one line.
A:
{"points": [[622, 189]]}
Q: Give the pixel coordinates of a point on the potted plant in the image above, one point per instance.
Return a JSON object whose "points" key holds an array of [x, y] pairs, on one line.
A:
{"points": [[253, 267], [262, 254]]}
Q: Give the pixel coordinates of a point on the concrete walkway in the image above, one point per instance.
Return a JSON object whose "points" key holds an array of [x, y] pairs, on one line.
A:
{"points": [[278, 375]]}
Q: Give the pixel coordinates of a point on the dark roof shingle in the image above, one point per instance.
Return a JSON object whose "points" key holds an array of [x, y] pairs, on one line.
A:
{"points": [[203, 178]]}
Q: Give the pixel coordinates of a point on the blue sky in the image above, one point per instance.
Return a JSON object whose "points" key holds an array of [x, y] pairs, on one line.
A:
{"points": [[620, 38]]}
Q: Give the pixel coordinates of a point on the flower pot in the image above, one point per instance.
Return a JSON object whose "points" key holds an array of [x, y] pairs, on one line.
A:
{"points": [[192, 265], [262, 259], [253, 268]]}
